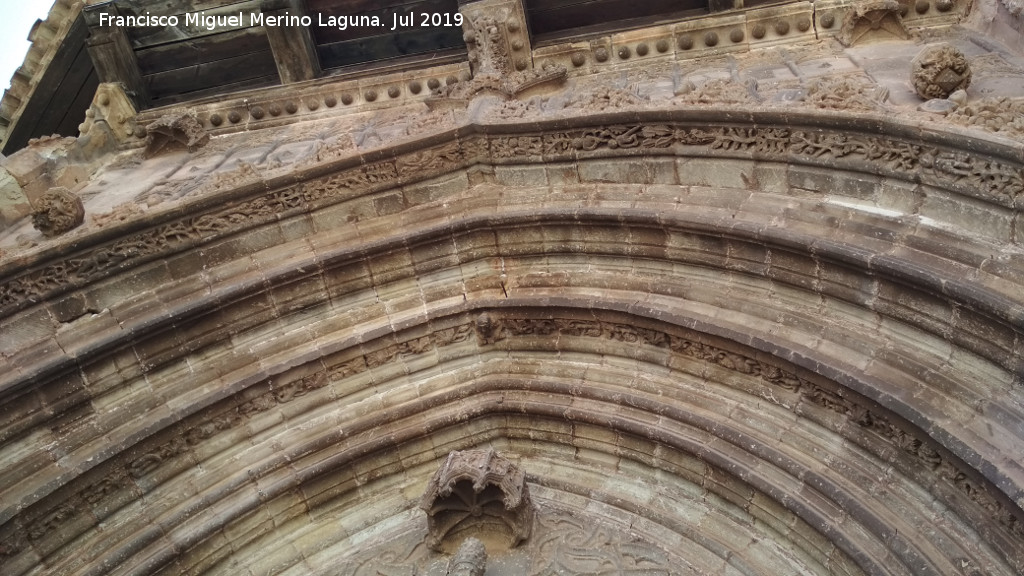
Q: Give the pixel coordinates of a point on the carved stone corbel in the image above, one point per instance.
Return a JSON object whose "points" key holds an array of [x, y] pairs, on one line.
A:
{"points": [[496, 37], [175, 131], [875, 19], [112, 106], [477, 493], [500, 56]]}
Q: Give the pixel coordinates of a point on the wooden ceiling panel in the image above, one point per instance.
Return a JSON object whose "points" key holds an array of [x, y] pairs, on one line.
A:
{"points": [[549, 18]]}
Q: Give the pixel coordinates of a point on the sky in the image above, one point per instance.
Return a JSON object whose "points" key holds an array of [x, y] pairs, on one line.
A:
{"points": [[16, 19]]}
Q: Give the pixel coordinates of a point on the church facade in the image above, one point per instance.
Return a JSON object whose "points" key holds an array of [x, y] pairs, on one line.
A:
{"points": [[737, 289]]}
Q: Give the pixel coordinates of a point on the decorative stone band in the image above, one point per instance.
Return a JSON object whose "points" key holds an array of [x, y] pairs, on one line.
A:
{"points": [[976, 168], [272, 107], [861, 420]]}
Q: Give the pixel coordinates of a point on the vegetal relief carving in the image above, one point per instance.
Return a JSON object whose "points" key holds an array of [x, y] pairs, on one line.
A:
{"points": [[499, 56], [720, 91], [978, 175], [834, 400], [1004, 116], [852, 93], [573, 546], [494, 31], [604, 98]]}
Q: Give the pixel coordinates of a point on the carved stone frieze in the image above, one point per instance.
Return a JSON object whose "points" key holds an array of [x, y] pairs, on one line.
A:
{"points": [[481, 492], [605, 98], [972, 173], [835, 400], [516, 84], [939, 70], [500, 57], [57, 212]]}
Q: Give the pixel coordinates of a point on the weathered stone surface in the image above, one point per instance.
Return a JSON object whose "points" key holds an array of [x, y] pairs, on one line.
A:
{"points": [[175, 131]]}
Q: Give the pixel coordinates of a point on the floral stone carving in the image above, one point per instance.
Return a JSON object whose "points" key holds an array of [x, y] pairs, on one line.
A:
{"points": [[57, 212], [939, 70], [477, 493]]}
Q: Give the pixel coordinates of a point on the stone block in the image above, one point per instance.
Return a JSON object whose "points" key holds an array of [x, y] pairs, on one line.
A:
{"points": [[521, 175], [931, 312], [389, 203], [976, 217], [436, 189], [716, 173], [834, 183], [770, 177], [14, 204], [629, 171], [898, 195], [562, 174]]}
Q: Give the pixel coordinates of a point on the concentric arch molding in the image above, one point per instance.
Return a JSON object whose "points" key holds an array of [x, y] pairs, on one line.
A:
{"points": [[688, 410], [420, 298]]}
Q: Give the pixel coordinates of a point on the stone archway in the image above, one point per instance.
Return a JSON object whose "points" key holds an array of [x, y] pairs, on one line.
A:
{"points": [[779, 369]]}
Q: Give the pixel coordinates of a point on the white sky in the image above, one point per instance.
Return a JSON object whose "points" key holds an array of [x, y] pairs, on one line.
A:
{"points": [[16, 19]]}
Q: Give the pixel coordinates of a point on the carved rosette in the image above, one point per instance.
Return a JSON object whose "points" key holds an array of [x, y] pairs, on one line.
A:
{"points": [[477, 493], [57, 212], [939, 70]]}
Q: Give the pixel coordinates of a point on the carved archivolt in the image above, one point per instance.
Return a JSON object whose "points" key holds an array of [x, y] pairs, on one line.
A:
{"points": [[485, 482], [981, 175]]}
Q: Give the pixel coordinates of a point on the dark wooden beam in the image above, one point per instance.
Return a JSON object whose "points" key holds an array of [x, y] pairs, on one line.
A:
{"points": [[63, 93], [720, 5], [294, 51], [112, 54]]}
